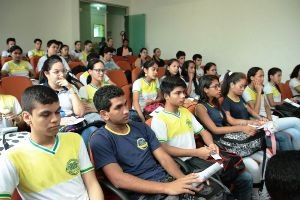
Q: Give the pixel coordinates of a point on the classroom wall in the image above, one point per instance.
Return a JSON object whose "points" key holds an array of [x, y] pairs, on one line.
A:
{"points": [[45, 19], [235, 34]]}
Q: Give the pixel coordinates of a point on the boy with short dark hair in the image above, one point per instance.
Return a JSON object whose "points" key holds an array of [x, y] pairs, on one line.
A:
{"points": [[130, 155], [37, 51], [47, 165], [88, 47], [197, 58], [175, 128], [10, 42]]}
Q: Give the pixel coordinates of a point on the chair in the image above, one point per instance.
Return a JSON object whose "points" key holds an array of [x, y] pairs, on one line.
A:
{"points": [[15, 85], [124, 65], [118, 58], [34, 61], [161, 72], [74, 64], [135, 73], [131, 59], [5, 59], [285, 90], [118, 77]]}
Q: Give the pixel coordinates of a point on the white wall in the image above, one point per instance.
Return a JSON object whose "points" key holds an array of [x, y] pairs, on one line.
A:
{"points": [[235, 34], [26, 20]]}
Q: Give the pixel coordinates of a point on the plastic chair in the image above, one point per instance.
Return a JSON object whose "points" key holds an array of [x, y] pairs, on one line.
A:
{"points": [[118, 77], [124, 65], [131, 59], [34, 61], [15, 85], [128, 95], [135, 73], [5, 59], [161, 72], [285, 90], [118, 58], [74, 64]]}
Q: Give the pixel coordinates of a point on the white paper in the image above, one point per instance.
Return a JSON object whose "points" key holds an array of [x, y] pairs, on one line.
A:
{"points": [[292, 103]]}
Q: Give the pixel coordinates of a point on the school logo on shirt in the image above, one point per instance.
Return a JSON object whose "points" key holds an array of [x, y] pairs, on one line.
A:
{"points": [[73, 167], [189, 123], [142, 143]]}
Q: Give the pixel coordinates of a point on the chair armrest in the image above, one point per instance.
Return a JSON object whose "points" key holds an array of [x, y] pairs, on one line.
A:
{"points": [[120, 193], [184, 167]]}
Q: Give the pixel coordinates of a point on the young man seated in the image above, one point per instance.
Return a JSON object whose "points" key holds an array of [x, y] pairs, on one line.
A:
{"points": [[88, 48], [52, 47], [175, 128], [282, 176], [108, 60], [10, 42], [130, 155], [10, 111], [37, 51], [47, 165]]}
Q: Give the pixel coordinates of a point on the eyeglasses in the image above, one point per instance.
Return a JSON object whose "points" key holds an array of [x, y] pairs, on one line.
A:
{"points": [[99, 70], [216, 86]]}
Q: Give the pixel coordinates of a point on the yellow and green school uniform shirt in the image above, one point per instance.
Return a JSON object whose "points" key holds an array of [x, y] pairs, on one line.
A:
{"points": [[177, 129], [41, 173], [146, 90], [84, 75], [87, 92], [34, 52], [272, 89], [20, 69], [9, 102], [250, 95]]}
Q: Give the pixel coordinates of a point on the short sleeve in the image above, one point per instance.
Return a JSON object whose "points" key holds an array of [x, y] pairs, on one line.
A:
{"points": [[102, 149], [157, 83], [268, 89], [197, 127], [106, 78], [17, 107], [226, 104], [83, 78], [30, 53], [160, 129], [41, 62], [29, 66], [83, 93], [66, 65], [294, 83], [247, 96], [84, 160], [137, 86], [5, 67], [8, 177]]}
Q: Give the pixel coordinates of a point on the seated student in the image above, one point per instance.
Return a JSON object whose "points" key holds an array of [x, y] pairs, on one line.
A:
{"points": [[139, 62], [59, 45], [77, 51], [109, 63], [53, 72], [109, 43], [146, 89], [52, 47], [88, 47], [295, 82], [180, 55], [282, 176], [237, 112], [17, 66], [64, 52], [37, 51], [175, 128], [255, 99], [130, 155], [10, 42], [197, 58], [189, 75], [210, 69], [96, 79], [172, 69], [10, 111], [156, 57], [47, 165], [124, 50]]}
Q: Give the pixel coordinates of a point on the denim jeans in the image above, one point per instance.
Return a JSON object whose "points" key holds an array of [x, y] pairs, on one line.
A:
{"points": [[243, 186], [87, 133], [291, 126]]}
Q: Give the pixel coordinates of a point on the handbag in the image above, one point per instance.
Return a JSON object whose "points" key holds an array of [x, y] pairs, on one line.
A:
{"points": [[286, 110], [243, 144], [151, 107]]}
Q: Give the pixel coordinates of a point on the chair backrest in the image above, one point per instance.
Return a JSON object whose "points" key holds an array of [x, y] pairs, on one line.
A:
{"points": [[74, 64], [34, 61], [5, 59], [161, 72], [124, 65], [285, 90], [118, 77], [131, 59], [15, 85], [118, 58], [135, 73], [128, 95]]}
